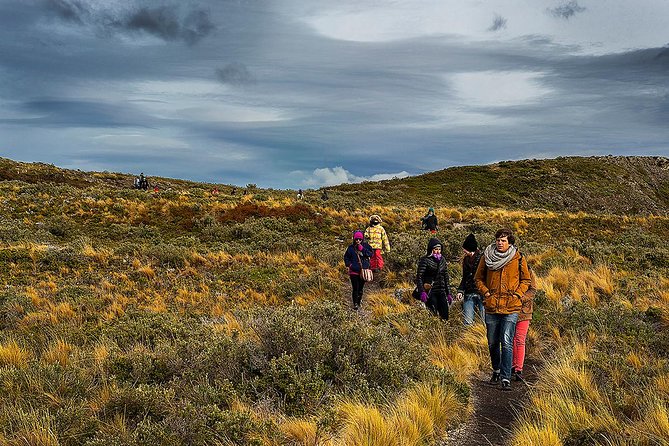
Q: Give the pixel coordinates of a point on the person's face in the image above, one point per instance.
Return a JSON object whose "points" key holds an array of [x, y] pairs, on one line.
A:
{"points": [[357, 241], [502, 243], [436, 250]]}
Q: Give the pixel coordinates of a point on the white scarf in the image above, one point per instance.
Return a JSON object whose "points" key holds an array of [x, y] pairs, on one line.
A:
{"points": [[496, 260]]}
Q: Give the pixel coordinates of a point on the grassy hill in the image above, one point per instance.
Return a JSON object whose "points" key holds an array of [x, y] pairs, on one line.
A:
{"points": [[186, 317], [619, 185]]}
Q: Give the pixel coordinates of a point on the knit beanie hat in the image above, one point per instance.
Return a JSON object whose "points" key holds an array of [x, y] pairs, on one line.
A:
{"points": [[434, 242], [431, 210], [375, 218], [358, 234], [470, 243]]}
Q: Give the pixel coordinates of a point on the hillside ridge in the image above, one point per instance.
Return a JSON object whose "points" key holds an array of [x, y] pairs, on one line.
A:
{"points": [[601, 184]]}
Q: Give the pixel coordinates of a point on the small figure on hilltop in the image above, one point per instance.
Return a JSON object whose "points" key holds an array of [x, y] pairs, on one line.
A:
{"points": [[324, 195], [233, 191], [378, 239], [522, 326], [141, 182], [503, 278], [214, 191], [429, 221], [432, 282], [299, 194], [356, 259], [467, 288]]}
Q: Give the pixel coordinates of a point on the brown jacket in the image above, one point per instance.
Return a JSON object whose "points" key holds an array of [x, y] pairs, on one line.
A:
{"points": [[503, 289], [528, 299]]}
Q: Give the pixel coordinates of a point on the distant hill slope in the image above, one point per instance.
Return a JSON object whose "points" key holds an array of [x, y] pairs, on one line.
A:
{"points": [[611, 184]]}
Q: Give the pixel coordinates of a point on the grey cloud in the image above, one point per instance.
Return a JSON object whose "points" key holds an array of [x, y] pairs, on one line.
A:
{"points": [[235, 74], [168, 22], [498, 23], [69, 10], [566, 11], [69, 113]]}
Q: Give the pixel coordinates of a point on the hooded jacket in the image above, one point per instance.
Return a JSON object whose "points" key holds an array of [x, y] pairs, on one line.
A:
{"points": [[377, 237], [503, 289], [352, 261], [433, 271]]}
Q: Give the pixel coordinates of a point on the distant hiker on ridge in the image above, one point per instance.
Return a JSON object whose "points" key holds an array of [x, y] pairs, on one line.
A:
{"points": [[299, 194], [503, 278], [467, 289], [378, 239], [429, 221]]}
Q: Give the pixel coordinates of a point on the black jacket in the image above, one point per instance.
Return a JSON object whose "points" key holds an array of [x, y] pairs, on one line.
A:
{"points": [[467, 284], [433, 272], [430, 222]]}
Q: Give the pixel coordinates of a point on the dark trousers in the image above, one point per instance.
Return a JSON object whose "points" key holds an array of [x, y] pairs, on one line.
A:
{"points": [[357, 284], [438, 304]]}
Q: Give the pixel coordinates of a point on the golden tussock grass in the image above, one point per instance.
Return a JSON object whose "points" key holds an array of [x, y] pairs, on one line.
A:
{"points": [[461, 362], [11, 354], [101, 255], [530, 434], [662, 385], [383, 304], [58, 353], [301, 432], [653, 427], [566, 400], [419, 417], [581, 284]]}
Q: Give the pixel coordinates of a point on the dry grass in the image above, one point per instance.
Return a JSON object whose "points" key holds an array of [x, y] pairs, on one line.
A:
{"points": [[13, 355], [59, 353]]}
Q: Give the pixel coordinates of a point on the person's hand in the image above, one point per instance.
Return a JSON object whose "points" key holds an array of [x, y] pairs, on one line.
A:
{"points": [[423, 297], [449, 298], [459, 296], [359, 247]]}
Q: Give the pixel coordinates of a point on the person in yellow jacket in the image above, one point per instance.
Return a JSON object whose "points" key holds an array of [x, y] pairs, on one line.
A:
{"points": [[502, 278], [377, 238]]}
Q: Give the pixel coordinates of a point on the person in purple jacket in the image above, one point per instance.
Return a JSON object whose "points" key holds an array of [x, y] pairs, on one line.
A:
{"points": [[356, 258]]}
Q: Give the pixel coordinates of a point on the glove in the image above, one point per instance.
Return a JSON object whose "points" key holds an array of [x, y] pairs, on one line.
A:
{"points": [[449, 298], [423, 297], [359, 247]]}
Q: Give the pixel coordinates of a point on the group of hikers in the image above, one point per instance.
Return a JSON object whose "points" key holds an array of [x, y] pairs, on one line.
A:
{"points": [[496, 282]]}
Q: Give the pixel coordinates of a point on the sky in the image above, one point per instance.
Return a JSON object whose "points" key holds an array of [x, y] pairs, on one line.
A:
{"points": [[303, 94]]}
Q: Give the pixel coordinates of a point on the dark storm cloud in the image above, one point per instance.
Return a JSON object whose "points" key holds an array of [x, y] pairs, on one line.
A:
{"points": [[567, 10], [498, 23], [235, 74], [165, 22], [169, 22]]}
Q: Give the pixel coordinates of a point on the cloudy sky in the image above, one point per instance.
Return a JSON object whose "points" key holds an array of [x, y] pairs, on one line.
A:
{"points": [[297, 93]]}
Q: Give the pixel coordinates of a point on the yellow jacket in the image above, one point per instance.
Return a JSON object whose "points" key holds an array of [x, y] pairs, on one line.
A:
{"points": [[377, 238]]}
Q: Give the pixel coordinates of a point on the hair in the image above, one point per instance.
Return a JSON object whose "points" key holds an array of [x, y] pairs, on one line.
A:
{"points": [[504, 232]]}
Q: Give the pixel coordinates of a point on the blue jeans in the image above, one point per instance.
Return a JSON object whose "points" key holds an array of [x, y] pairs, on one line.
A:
{"points": [[471, 302], [500, 330]]}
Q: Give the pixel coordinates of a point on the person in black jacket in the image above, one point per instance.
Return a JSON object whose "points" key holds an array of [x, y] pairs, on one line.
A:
{"points": [[429, 221], [432, 279], [467, 289], [356, 258]]}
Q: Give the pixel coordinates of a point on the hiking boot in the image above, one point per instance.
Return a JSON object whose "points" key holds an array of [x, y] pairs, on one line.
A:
{"points": [[518, 375], [506, 384], [494, 379]]}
